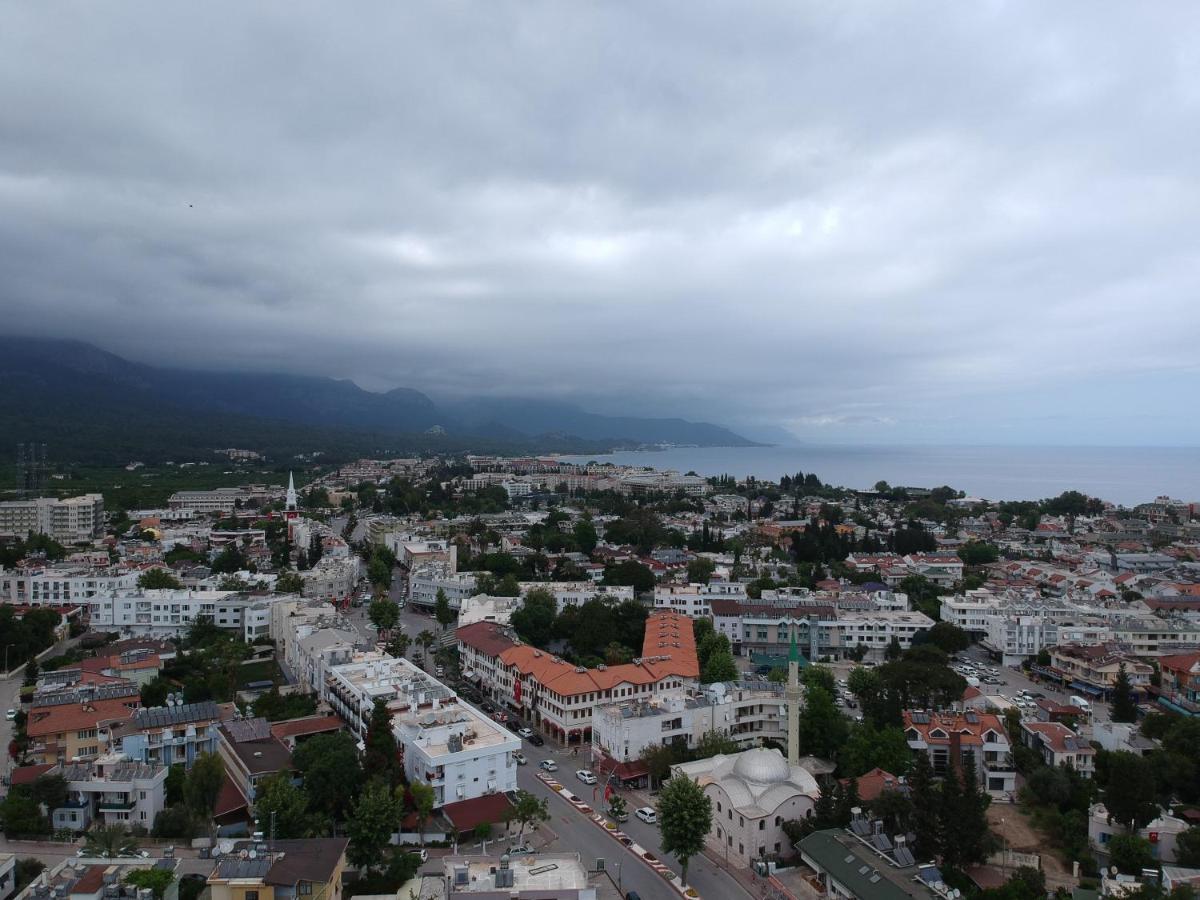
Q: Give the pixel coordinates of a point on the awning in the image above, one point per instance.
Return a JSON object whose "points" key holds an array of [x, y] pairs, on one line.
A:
{"points": [[466, 814], [1088, 688], [626, 771]]}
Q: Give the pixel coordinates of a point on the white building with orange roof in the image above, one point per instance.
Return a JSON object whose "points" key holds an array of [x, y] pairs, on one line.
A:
{"points": [[560, 698], [949, 738]]}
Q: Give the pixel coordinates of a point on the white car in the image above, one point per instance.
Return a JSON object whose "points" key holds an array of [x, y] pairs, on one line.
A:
{"points": [[10, 715], [520, 759], [585, 776], [526, 732], [549, 765], [647, 815]]}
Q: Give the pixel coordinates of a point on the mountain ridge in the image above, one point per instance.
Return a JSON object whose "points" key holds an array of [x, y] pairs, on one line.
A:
{"points": [[44, 378]]}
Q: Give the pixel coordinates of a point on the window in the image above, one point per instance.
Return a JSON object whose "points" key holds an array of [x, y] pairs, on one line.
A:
{"points": [[762, 824], [251, 895], [304, 888]]}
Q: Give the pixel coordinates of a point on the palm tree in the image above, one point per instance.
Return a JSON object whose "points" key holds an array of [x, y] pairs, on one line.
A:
{"points": [[109, 842], [426, 639]]}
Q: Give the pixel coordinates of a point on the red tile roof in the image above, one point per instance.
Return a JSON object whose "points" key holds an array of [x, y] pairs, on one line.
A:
{"points": [[29, 774], [466, 814]]}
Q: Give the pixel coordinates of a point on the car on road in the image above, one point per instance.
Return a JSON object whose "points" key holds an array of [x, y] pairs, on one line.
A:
{"points": [[647, 815], [585, 776], [549, 765], [526, 733], [537, 740], [520, 758], [10, 715], [440, 671]]}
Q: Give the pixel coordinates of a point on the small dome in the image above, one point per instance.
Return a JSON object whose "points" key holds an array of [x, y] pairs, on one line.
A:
{"points": [[763, 766]]}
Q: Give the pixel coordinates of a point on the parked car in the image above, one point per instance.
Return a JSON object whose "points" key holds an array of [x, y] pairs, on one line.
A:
{"points": [[520, 758], [618, 816], [647, 815], [526, 733], [549, 765], [537, 740], [10, 715], [585, 776]]}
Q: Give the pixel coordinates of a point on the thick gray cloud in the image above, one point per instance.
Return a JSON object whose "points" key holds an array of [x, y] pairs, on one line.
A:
{"points": [[867, 221]]}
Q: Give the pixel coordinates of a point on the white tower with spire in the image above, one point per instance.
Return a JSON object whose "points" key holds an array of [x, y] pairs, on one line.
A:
{"points": [[792, 695], [291, 509]]}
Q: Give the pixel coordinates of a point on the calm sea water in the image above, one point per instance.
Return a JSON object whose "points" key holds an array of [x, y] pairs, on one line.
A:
{"points": [[1126, 475]]}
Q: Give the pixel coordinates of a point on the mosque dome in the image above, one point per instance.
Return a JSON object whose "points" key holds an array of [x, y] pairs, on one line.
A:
{"points": [[763, 766]]}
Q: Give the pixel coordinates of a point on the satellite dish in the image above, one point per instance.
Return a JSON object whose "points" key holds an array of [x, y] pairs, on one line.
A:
{"points": [[1114, 870], [254, 854]]}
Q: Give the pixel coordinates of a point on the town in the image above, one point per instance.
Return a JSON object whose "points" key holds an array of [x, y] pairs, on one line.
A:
{"points": [[437, 676]]}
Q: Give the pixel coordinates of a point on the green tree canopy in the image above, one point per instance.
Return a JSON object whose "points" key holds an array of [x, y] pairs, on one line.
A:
{"points": [[332, 772], [534, 620], [380, 758], [685, 819], [158, 579], [372, 821], [204, 783], [282, 808]]}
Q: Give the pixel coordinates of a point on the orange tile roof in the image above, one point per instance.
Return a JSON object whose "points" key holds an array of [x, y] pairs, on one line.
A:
{"points": [[47, 720], [955, 722], [668, 649]]}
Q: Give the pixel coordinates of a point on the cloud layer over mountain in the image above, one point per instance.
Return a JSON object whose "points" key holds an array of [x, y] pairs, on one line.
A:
{"points": [[865, 221]]}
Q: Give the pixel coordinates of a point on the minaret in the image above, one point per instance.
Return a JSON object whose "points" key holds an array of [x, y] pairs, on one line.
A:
{"points": [[793, 704], [290, 510]]}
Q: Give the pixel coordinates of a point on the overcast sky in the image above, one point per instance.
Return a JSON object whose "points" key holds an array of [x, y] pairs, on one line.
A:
{"points": [[879, 222]]}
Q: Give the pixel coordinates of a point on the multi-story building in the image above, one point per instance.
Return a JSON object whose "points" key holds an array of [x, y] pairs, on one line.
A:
{"points": [[949, 738], [754, 627], [252, 754], [1093, 668], [73, 520], [1059, 745], [166, 735], [54, 584], [426, 580], [111, 789], [749, 712], [219, 500], [877, 630], [170, 612], [559, 875], [65, 726], [970, 611], [1016, 637], [559, 698], [576, 593], [301, 869], [1180, 682], [694, 600], [332, 579], [412, 552], [456, 750]]}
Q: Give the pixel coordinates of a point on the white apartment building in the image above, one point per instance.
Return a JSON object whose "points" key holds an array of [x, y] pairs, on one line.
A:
{"points": [[412, 552], [166, 735], [877, 630], [54, 585], [747, 713], [1016, 637], [73, 520], [695, 600], [457, 750], [425, 581], [112, 789], [332, 579], [219, 500], [353, 687], [314, 656], [294, 618], [576, 593], [484, 608], [169, 612], [969, 611]]}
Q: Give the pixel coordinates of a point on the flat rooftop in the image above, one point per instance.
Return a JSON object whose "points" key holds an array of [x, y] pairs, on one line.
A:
{"points": [[536, 872]]}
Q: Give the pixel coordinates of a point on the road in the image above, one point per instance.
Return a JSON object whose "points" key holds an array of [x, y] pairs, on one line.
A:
{"points": [[575, 832]]}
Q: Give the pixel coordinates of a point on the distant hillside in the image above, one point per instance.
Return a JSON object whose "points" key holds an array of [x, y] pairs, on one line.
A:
{"points": [[107, 408]]}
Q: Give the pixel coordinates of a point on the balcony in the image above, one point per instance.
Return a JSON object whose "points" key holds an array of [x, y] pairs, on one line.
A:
{"points": [[107, 805]]}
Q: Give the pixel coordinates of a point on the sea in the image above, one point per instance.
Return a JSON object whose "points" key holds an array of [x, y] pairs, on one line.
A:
{"points": [[1122, 475]]}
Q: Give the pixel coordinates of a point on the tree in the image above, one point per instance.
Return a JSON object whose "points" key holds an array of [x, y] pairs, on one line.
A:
{"points": [[398, 644], [371, 824], [819, 677], [893, 651], [380, 754], [862, 681], [157, 880], [585, 536], [175, 784], [282, 809], [685, 819], [720, 667], [925, 808], [658, 759], [289, 583], [714, 742], [1130, 853], [204, 784], [384, 614], [50, 791], [176, 821], [528, 809], [31, 671], [155, 691], [1187, 848], [21, 815], [442, 611], [332, 772], [868, 747], [158, 579], [978, 553], [426, 639], [1124, 707], [632, 573], [700, 569], [1130, 791], [423, 800], [822, 726], [534, 620], [108, 842], [948, 637]]}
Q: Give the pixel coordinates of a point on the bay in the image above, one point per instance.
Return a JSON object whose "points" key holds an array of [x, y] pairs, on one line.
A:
{"points": [[1123, 475]]}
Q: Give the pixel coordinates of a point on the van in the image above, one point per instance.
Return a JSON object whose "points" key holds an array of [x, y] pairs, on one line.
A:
{"points": [[1080, 704]]}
